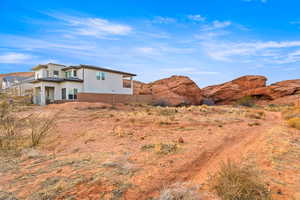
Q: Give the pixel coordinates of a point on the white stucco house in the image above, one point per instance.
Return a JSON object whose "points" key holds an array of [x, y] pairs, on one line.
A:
{"points": [[54, 82]]}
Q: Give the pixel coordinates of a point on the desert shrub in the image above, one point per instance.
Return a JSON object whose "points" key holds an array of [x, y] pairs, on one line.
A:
{"points": [[255, 114], [161, 103], [234, 182], [184, 104], [161, 148], [247, 101], [39, 127], [291, 112], [208, 102], [167, 111], [14, 129], [294, 122], [179, 192], [9, 134], [165, 148]]}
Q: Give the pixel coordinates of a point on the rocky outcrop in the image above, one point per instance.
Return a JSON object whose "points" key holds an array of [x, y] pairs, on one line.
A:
{"points": [[277, 90], [175, 90], [231, 91]]}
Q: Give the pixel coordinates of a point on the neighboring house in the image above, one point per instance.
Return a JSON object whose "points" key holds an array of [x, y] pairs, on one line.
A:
{"points": [[54, 82], [17, 86], [9, 81]]}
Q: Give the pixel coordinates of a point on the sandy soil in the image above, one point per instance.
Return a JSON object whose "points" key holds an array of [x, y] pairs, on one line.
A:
{"points": [[97, 151]]}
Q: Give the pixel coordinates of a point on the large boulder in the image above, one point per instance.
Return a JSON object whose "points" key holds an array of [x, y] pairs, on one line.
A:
{"points": [[277, 90], [231, 91], [176, 90]]}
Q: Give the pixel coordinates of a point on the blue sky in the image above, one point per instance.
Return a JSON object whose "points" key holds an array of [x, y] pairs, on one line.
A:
{"points": [[211, 41]]}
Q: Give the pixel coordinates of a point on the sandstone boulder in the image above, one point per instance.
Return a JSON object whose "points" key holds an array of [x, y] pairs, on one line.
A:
{"points": [[173, 91], [277, 90], [231, 91]]}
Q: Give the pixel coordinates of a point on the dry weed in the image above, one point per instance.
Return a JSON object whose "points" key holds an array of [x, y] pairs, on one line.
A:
{"points": [[234, 182]]}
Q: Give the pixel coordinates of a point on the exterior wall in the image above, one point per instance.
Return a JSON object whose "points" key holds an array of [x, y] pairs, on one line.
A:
{"points": [[24, 89], [40, 73], [68, 86], [115, 98], [57, 89], [113, 83], [52, 67]]}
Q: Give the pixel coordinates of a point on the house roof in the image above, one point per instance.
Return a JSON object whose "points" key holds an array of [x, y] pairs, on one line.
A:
{"points": [[13, 78], [57, 80], [99, 68], [40, 66]]}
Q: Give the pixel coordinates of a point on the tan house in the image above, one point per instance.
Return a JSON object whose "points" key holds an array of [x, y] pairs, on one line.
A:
{"points": [[54, 82]]}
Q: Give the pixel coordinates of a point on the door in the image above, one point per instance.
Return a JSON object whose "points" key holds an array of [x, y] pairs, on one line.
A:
{"points": [[63, 93]]}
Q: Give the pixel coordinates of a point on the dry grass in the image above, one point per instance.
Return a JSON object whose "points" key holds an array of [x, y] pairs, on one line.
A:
{"points": [[291, 112], [39, 127], [179, 192], [294, 122], [14, 129], [162, 149], [247, 101], [234, 182]]}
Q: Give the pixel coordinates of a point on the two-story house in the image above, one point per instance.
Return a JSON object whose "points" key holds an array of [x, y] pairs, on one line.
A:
{"points": [[54, 82]]}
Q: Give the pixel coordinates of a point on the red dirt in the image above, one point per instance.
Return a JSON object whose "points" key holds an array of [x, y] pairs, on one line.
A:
{"points": [[99, 151]]}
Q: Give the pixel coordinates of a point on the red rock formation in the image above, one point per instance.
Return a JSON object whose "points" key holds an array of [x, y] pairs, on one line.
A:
{"points": [[277, 90], [174, 91], [233, 90]]}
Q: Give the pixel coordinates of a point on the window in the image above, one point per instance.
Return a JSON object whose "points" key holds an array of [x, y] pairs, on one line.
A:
{"points": [[74, 73], [63, 93], [68, 74], [73, 93], [127, 82], [100, 75], [56, 73]]}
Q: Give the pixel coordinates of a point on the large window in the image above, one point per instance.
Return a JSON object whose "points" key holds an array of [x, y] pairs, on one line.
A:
{"points": [[100, 75], [73, 93], [75, 73]]}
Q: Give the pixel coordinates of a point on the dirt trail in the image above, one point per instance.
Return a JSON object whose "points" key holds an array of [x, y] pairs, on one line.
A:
{"points": [[203, 162]]}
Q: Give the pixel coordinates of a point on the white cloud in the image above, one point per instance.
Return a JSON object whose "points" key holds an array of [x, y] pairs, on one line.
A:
{"points": [[266, 51], [198, 17], [263, 1], [88, 26], [163, 20], [216, 25], [14, 58], [188, 70]]}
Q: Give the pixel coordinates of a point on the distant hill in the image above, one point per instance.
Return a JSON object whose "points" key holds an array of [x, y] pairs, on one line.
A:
{"points": [[25, 74]]}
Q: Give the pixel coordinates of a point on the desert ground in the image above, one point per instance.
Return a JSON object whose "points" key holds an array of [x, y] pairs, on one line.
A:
{"points": [[99, 151]]}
